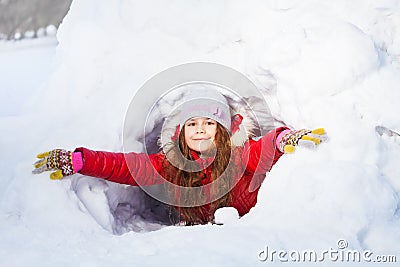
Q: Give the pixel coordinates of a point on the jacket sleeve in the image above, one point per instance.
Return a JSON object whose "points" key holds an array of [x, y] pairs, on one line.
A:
{"points": [[124, 168], [262, 154]]}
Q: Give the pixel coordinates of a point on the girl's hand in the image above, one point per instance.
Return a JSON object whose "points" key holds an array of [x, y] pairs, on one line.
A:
{"points": [[61, 161], [287, 140]]}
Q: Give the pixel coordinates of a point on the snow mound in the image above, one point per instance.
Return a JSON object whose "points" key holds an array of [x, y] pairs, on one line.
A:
{"points": [[320, 64]]}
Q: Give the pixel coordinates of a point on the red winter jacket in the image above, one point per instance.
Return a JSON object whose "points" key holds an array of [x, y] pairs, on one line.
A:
{"points": [[142, 169]]}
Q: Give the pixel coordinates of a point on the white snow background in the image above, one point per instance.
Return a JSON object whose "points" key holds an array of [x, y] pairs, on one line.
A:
{"points": [[332, 64]]}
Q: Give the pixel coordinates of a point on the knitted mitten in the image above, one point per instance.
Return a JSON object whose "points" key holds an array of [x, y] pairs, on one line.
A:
{"points": [[63, 162], [288, 139]]}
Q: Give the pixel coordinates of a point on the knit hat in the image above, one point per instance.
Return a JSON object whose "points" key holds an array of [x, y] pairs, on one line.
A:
{"points": [[206, 103]]}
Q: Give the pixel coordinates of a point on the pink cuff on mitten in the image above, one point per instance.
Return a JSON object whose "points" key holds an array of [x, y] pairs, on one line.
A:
{"points": [[279, 138], [77, 161]]}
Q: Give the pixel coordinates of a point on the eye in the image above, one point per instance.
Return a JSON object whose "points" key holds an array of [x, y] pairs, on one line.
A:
{"points": [[190, 124], [210, 123]]}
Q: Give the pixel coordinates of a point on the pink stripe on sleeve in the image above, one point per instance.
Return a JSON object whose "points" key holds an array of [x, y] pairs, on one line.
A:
{"points": [[279, 138], [77, 161]]}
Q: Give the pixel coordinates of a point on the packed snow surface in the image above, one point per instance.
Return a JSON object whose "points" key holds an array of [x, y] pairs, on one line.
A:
{"points": [[331, 64]]}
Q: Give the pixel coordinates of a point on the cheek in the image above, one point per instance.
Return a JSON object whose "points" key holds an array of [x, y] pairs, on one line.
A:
{"points": [[213, 131], [187, 135]]}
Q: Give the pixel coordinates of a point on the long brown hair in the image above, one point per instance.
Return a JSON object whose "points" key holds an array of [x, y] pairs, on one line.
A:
{"points": [[222, 170]]}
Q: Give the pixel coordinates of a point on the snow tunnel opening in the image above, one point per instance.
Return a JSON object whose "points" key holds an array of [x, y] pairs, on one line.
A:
{"points": [[132, 209]]}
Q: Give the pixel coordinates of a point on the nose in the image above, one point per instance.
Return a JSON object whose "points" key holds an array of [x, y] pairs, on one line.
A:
{"points": [[200, 129]]}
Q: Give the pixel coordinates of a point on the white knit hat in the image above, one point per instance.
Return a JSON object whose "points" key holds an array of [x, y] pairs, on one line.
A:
{"points": [[206, 103]]}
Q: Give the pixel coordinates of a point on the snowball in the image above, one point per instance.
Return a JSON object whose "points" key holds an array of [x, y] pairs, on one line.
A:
{"points": [[41, 32], [29, 34], [226, 215], [17, 36], [51, 30]]}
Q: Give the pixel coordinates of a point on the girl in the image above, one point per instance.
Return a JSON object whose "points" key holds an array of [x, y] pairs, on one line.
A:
{"points": [[203, 161]]}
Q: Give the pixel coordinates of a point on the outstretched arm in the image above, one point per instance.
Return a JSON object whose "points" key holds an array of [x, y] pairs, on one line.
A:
{"points": [[265, 152], [262, 154], [125, 168]]}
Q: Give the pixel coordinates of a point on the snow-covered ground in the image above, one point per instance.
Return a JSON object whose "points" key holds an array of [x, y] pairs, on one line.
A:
{"points": [[321, 63]]}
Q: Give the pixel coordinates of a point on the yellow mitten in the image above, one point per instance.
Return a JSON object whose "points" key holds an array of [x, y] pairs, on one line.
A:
{"points": [[305, 138], [57, 160]]}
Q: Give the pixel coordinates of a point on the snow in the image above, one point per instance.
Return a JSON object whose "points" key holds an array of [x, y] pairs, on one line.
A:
{"points": [[321, 64], [51, 30], [226, 215]]}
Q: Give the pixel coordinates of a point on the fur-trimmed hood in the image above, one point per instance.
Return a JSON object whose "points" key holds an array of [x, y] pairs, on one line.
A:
{"points": [[249, 115], [247, 122]]}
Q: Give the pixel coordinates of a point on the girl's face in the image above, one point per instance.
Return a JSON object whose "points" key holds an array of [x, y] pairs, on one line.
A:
{"points": [[200, 133]]}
